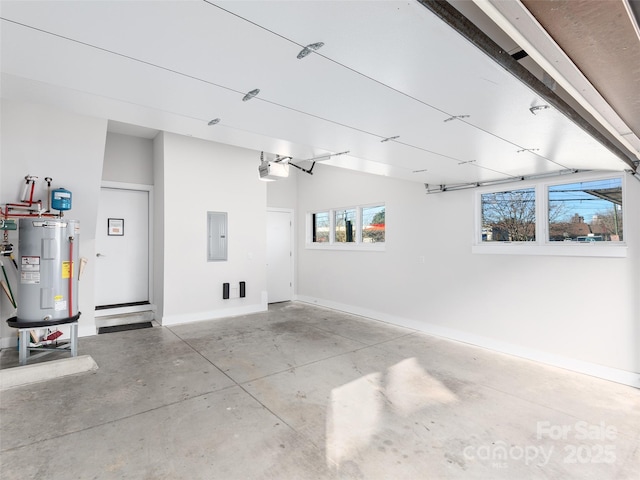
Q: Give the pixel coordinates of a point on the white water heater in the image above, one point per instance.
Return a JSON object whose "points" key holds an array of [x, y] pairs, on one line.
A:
{"points": [[49, 267]]}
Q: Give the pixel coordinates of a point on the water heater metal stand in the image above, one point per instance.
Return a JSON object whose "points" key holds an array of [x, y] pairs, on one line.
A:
{"points": [[24, 337]]}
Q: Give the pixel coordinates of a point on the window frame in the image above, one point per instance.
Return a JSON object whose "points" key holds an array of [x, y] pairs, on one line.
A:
{"points": [[542, 245], [312, 224], [536, 214], [357, 227], [332, 244]]}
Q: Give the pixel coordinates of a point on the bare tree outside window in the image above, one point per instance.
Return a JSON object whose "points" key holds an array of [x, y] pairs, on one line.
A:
{"points": [[582, 212], [608, 223], [320, 227], [509, 216]]}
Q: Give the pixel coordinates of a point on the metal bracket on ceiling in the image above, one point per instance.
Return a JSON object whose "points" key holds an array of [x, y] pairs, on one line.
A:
{"points": [[537, 108], [314, 160], [312, 47], [458, 117], [251, 94]]}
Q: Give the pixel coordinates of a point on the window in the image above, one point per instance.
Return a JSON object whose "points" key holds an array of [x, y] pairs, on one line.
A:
{"points": [[345, 222], [373, 226], [509, 216], [554, 218], [320, 227], [586, 211], [358, 227]]}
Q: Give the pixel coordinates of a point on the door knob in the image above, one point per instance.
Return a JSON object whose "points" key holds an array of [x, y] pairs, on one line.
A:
{"points": [[100, 255]]}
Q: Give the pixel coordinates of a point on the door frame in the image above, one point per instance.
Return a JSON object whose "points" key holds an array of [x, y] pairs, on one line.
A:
{"points": [[137, 308], [292, 238]]}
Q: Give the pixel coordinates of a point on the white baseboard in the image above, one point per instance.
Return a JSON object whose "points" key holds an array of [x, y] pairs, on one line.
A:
{"points": [[168, 320], [608, 373]]}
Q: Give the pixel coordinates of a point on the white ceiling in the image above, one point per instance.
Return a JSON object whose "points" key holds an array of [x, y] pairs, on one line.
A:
{"points": [[388, 68]]}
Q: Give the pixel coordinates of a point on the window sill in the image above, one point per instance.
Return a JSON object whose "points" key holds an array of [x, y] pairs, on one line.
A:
{"points": [[586, 250], [359, 247]]}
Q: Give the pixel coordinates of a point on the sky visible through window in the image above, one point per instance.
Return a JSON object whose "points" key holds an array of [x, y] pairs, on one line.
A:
{"points": [[585, 199], [370, 213]]}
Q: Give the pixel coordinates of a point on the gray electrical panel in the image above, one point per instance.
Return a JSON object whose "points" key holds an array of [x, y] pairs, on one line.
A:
{"points": [[217, 237]]}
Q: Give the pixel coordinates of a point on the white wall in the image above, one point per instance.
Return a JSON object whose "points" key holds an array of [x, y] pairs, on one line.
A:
{"points": [[41, 141], [202, 176], [128, 159], [283, 193], [577, 312]]}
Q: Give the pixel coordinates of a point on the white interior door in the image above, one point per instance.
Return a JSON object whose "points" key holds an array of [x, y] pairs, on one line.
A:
{"points": [[279, 256], [122, 247]]}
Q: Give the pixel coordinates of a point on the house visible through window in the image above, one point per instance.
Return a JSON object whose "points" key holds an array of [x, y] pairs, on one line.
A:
{"points": [[579, 218], [586, 212]]}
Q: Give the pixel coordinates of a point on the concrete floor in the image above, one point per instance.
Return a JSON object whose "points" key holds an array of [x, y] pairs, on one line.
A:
{"points": [[307, 393]]}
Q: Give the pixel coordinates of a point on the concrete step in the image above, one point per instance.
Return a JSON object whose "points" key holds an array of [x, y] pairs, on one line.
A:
{"points": [[124, 319]]}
